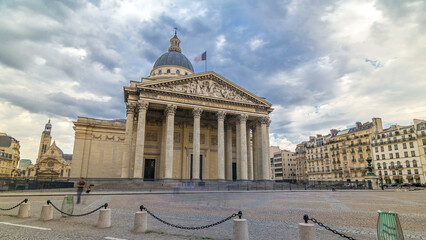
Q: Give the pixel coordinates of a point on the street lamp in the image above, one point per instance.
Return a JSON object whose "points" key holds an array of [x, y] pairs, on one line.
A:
{"points": [[380, 175]]}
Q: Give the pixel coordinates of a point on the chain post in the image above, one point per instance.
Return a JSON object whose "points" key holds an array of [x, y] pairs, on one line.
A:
{"points": [[106, 205], [26, 200], [240, 214], [48, 202], [7, 209], [306, 218], [141, 208]]}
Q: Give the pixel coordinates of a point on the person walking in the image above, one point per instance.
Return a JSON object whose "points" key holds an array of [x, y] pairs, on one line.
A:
{"points": [[80, 187]]}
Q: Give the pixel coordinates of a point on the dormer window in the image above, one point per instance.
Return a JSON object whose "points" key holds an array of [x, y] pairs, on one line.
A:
{"points": [[177, 72], [186, 73], [168, 70], [159, 71]]}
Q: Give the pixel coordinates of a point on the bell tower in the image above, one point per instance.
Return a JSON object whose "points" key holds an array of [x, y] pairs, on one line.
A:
{"points": [[45, 141]]}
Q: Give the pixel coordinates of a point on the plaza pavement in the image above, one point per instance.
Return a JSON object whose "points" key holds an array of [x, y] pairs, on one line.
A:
{"points": [[270, 214]]}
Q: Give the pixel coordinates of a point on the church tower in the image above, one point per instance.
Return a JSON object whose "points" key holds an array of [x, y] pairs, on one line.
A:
{"points": [[45, 141]]}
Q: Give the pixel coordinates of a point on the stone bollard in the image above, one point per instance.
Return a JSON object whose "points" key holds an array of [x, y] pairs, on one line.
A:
{"points": [[24, 210], [104, 220], [240, 228], [46, 213], [306, 231], [141, 223]]}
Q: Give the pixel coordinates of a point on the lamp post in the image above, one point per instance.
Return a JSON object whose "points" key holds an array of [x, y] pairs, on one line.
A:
{"points": [[380, 177]]}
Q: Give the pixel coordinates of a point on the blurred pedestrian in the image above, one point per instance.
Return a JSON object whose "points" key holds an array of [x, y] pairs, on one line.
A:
{"points": [[80, 187]]}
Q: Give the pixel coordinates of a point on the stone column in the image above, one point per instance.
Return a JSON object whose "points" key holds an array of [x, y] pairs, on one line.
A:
{"points": [[125, 164], [249, 156], [243, 147], [196, 144], [237, 147], [220, 145], [163, 145], [259, 151], [140, 140], [254, 156], [229, 152], [170, 124], [268, 149], [265, 148]]}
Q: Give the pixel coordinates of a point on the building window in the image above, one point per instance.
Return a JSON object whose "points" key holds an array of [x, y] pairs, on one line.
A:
{"points": [[390, 155], [390, 147], [407, 163], [409, 172], [386, 173], [405, 154], [423, 140], [384, 165], [400, 172], [397, 155], [411, 145], [414, 163], [424, 149], [392, 165], [413, 153], [383, 156], [404, 145], [382, 149], [168, 70], [377, 149], [395, 146], [177, 72], [377, 157], [416, 171]]}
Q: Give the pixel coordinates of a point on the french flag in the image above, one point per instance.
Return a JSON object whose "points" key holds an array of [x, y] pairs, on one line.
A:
{"points": [[202, 57]]}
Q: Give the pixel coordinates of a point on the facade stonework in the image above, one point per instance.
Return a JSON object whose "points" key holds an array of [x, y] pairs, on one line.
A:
{"points": [[398, 154], [9, 155], [284, 165], [179, 125]]}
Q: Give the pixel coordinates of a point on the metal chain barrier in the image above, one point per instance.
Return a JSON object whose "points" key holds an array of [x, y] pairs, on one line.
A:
{"points": [[19, 204], [77, 215], [306, 218], [239, 214]]}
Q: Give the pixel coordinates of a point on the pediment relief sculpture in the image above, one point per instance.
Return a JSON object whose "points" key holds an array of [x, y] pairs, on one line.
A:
{"points": [[208, 88]]}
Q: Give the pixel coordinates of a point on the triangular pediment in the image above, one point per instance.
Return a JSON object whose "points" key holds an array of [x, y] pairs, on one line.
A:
{"points": [[207, 85]]}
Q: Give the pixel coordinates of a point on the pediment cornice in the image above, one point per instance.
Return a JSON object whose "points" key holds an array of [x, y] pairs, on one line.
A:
{"points": [[209, 85]]}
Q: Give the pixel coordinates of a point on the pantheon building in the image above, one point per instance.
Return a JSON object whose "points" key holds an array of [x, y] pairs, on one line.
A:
{"points": [[179, 125]]}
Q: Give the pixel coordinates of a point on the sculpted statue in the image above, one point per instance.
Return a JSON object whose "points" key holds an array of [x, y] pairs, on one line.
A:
{"points": [[207, 88]]}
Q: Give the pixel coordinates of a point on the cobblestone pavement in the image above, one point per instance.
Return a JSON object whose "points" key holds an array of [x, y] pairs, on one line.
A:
{"points": [[270, 215]]}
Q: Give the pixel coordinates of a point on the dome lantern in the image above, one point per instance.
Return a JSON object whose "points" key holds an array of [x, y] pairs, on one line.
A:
{"points": [[174, 44]]}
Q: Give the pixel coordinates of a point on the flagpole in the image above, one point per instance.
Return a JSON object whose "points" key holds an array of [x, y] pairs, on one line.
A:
{"points": [[206, 62]]}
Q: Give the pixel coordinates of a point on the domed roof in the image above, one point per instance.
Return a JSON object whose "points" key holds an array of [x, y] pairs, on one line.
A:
{"points": [[173, 58]]}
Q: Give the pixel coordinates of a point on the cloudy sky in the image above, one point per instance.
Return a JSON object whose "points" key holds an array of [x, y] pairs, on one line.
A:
{"points": [[322, 64]]}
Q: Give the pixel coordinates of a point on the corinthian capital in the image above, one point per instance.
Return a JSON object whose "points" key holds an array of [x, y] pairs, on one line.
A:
{"points": [[265, 120], [130, 107], [221, 115], [242, 117], [197, 112], [143, 105], [170, 109]]}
